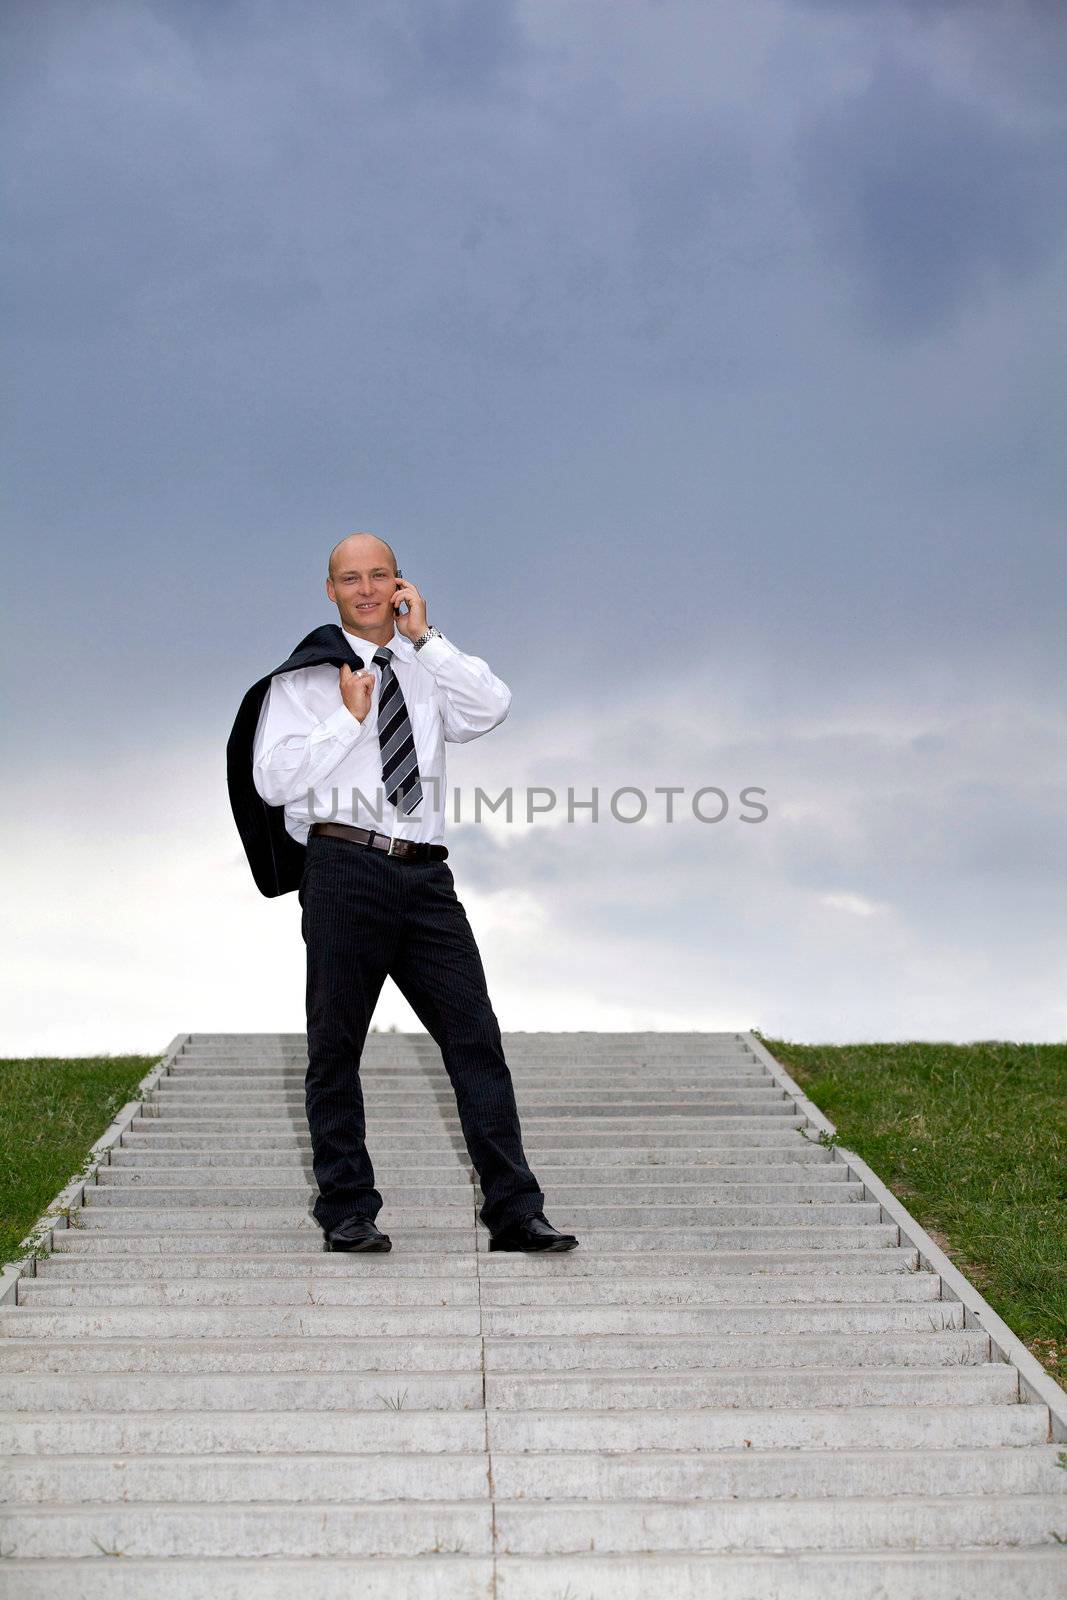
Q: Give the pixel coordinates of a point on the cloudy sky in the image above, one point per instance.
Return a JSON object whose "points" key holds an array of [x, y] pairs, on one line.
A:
{"points": [[703, 362]]}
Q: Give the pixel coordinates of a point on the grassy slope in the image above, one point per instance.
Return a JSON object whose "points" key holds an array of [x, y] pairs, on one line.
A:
{"points": [[51, 1114], [973, 1139]]}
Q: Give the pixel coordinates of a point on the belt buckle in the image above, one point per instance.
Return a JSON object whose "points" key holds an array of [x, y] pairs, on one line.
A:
{"points": [[392, 841]]}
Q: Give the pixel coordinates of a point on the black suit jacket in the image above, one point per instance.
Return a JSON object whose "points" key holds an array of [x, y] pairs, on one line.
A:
{"points": [[276, 859]]}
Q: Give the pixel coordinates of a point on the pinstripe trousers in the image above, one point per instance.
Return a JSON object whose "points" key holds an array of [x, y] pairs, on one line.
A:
{"points": [[366, 916]]}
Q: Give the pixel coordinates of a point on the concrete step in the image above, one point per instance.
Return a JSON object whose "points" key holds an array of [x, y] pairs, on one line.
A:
{"points": [[663, 1116], [170, 1094], [154, 1208], [580, 1055], [581, 1321], [353, 1477], [647, 1089], [526, 1070], [138, 1264], [189, 1352], [549, 1130], [199, 1241], [523, 1066], [525, 1324], [170, 1167], [660, 1074], [579, 1044], [382, 1528], [842, 1384], [431, 1063], [430, 1056], [150, 1133], [562, 1164], [757, 1474], [127, 1388], [581, 1040], [155, 1214], [137, 1380], [902, 1428], [431, 1166], [220, 1322], [714, 1289], [221, 1232], [450, 1316], [422, 1047], [348, 1477], [600, 1293], [437, 1116], [446, 1167], [461, 1290], [121, 1187], [886, 1427], [853, 1523], [540, 1039], [43, 1433], [642, 1074], [937, 1574], [442, 1156], [95, 1262], [181, 1347], [884, 1346], [199, 1188], [391, 1527]]}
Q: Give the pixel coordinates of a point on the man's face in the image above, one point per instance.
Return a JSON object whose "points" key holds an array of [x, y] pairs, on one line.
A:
{"points": [[362, 586]]}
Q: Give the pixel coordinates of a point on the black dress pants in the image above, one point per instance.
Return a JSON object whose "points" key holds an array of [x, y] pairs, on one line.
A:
{"points": [[365, 916]]}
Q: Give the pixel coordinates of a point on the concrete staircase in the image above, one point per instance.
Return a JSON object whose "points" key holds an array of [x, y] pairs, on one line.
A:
{"points": [[743, 1384]]}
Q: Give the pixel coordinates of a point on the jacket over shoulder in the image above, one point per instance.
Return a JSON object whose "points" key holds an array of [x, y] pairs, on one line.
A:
{"points": [[275, 857]]}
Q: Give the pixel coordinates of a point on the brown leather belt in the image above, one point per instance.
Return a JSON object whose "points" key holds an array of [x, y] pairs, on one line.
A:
{"points": [[402, 849]]}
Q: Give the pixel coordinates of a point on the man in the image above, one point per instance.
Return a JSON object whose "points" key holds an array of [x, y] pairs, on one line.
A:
{"points": [[352, 729]]}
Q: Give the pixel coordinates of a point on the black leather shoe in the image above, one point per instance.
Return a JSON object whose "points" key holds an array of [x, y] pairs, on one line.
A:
{"points": [[532, 1233], [357, 1233]]}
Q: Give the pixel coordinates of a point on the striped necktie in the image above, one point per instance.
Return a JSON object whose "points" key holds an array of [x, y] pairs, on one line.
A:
{"points": [[400, 767]]}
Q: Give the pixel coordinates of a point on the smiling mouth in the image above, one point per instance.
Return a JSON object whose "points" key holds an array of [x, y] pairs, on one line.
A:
{"points": [[371, 605]]}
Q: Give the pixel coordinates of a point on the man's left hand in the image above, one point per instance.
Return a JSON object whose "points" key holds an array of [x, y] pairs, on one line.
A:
{"points": [[411, 623]]}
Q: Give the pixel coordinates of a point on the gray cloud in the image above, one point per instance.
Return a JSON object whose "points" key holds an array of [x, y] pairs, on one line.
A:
{"points": [[700, 372], [1014, 45], [933, 202], [899, 886]]}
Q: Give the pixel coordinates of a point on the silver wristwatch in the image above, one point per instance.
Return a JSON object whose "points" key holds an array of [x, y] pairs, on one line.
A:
{"points": [[431, 633]]}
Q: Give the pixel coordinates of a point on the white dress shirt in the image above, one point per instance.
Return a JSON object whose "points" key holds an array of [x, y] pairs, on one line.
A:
{"points": [[312, 756]]}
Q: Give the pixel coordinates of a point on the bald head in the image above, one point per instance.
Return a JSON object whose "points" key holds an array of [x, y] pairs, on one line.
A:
{"points": [[360, 549], [363, 584]]}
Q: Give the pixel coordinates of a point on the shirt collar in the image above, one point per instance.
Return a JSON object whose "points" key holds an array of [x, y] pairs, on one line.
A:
{"points": [[399, 644]]}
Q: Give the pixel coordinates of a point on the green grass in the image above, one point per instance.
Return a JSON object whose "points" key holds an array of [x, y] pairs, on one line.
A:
{"points": [[51, 1114], [973, 1139]]}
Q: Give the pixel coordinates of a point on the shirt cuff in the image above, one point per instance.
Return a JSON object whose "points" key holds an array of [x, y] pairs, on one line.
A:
{"points": [[434, 651], [341, 724]]}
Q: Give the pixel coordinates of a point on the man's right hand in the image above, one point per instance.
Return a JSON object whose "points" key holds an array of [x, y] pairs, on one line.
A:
{"points": [[356, 690]]}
